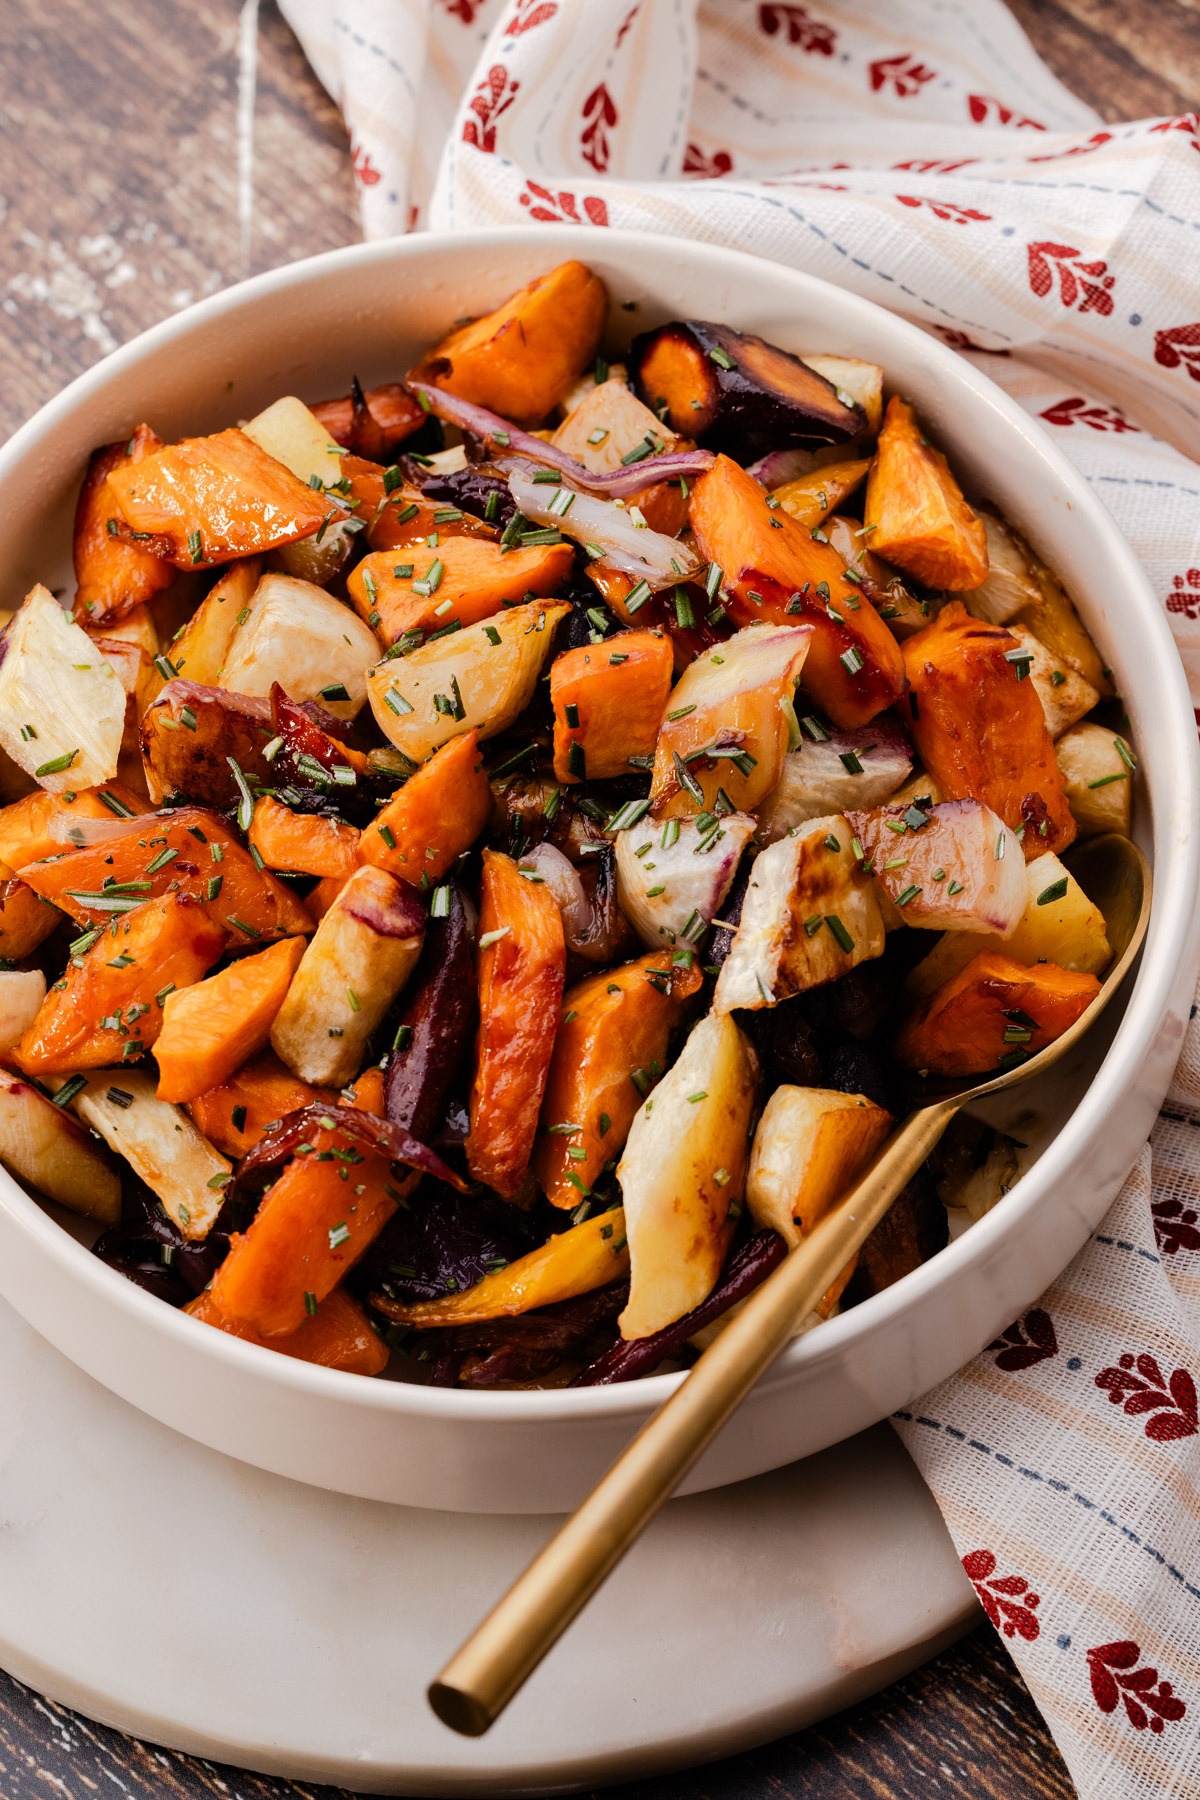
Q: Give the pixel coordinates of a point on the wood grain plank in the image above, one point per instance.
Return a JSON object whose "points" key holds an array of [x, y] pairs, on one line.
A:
{"points": [[1128, 59]]}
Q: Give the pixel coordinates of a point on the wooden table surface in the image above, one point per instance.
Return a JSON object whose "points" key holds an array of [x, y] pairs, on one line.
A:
{"points": [[119, 134]]}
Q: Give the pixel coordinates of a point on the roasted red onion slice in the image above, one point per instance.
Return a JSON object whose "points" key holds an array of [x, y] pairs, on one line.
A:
{"points": [[638, 552]]}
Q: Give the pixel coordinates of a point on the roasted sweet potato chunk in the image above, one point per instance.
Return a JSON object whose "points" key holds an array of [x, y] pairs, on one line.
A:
{"points": [[522, 964], [434, 817], [992, 1014], [776, 571], [521, 359], [207, 500], [979, 727], [400, 517], [608, 702], [305, 843], [235, 1115], [465, 579], [190, 734], [921, 521], [26, 920], [373, 423], [45, 824], [113, 574], [210, 1029], [338, 1335]]}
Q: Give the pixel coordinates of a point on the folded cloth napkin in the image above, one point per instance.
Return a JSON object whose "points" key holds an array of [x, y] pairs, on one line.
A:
{"points": [[922, 156]]}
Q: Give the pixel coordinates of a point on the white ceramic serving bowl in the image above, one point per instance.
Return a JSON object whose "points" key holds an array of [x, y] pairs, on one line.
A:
{"points": [[369, 310]]}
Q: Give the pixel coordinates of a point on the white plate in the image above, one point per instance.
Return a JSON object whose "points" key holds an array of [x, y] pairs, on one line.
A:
{"points": [[190, 1599]]}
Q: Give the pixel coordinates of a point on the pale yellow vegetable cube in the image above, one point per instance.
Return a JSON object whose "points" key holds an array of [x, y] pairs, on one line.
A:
{"points": [[1098, 778], [809, 1145]]}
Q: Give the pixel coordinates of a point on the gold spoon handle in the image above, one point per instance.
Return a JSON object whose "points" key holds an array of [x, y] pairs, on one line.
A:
{"points": [[481, 1678]]}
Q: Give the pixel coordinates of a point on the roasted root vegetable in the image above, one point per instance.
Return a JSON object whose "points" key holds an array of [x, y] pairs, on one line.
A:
{"points": [[673, 874], [1063, 692], [373, 423], [522, 358], [294, 436], [951, 867], [26, 920], [1055, 623], [301, 637], [21, 994], [831, 771], [207, 500], [809, 1145], [43, 1145], [465, 682], [609, 700], [609, 425], [683, 1173], [920, 519], [62, 708], [1097, 772], [882, 585], [113, 575], [338, 1335], [235, 1115], [198, 653], [773, 569], [211, 1028], [809, 499], [993, 1014], [729, 722], [856, 382], [463, 580], [434, 817], [304, 843], [522, 964], [45, 824], [160, 1143], [615, 1032], [360, 956], [192, 735], [1010, 583], [810, 914], [975, 1166], [979, 728], [716, 384], [437, 1024]]}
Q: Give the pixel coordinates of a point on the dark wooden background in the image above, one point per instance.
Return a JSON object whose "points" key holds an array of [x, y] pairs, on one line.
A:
{"points": [[118, 205]]}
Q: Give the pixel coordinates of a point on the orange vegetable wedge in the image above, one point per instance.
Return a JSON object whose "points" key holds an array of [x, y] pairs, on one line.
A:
{"points": [[108, 1007], [318, 900], [401, 517], [434, 817], [916, 508], [980, 729], [616, 1027], [522, 964], [304, 843], [993, 1014], [26, 920], [337, 1336], [40, 824], [372, 423], [810, 499], [207, 500], [211, 1028], [608, 702], [235, 1114], [775, 570], [113, 575], [465, 579]]}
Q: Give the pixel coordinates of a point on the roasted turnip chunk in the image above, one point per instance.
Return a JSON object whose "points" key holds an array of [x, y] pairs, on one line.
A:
{"points": [[953, 867], [729, 721], [810, 914], [672, 876], [294, 436], [607, 425], [833, 772], [308, 642], [854, 381], [645, 555], [44, 1146], [21, 994], [809, 1145], [1096, 766], [160, 1143], [62, 709], [464, 682], [682, 1175], [1009, 584], [359, 959], [1063, 692]]}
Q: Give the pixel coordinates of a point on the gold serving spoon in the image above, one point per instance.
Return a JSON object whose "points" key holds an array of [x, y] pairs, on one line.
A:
{"points": [[478, 1682]]}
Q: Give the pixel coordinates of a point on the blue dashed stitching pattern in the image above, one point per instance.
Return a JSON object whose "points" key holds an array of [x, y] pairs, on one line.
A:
{"points": [[1121, 1244]]}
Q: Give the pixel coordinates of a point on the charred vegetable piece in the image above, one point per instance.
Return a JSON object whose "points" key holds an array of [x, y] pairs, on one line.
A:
{"points": [[617, 1026], [305, 843], [372, 423], [62, 708], [444, 1244], [771, 569], [521, 359], [236, 1115], [912, 1230], [732, 389], [1097, 779], [522, 964], [298, 633], [207, 500], [435, 816], [608, 701], [809, 499], [361, 955], [338, 1335], [810, 914], [979, 728], [952, 867], [809, 1146], [672, 877], [993, 1014], [833, 771], [682, 1175], [43, 1145], [436, 1026], [371, 1132], [210, 1029], [113, 575], [462, 581], [192, 733], [922, 523], [533, 1349], [161, 1145], [475, 491]]}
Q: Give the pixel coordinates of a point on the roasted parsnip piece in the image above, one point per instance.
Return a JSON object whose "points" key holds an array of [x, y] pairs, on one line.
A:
{"points": [[609, 424], [1009, 583], [43, 1145], [608, 701], [922, 523], [1097, 770], [304, 639], [855, 381], [809, 1145], [951, 867], [992, 1014], [1064, 694], [1053, 620], [160, 1143], [62, 708], [198, 653], [210, 1029], [673, 874]]}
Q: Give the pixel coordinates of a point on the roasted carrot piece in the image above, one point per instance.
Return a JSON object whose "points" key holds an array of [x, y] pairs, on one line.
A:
{"points": [[108, 1007], [367, 1094], [435, 816], [207, 500], [401, 517], [616, 1024], [337, 1336], [304, 843], [776, 570], [190, 851], [520, 359], [373, 423], [992, 1014], [26, 920], [312, 1225], [211, 1028], [522, 964], [915, 508], [811, 498], [608, 702], [979, 727], [29, 827], [113, 575], [464, 579], [234, 1115]]}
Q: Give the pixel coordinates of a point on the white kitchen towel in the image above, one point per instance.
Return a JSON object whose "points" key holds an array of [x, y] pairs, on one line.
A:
{"points": [[921, 155]]}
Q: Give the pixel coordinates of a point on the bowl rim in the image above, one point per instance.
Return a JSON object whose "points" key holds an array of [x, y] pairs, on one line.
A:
{"points": [[1175, 906]]}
